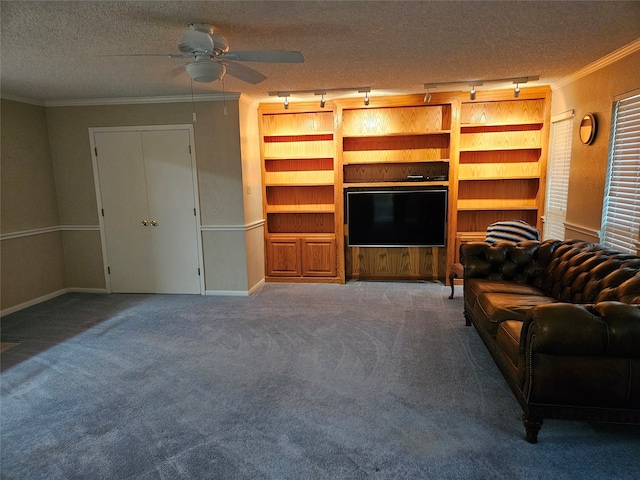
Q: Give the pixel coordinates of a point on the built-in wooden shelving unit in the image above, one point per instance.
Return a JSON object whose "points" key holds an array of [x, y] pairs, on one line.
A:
{"points": [[489, 153], [299, 182], [501, 168]]}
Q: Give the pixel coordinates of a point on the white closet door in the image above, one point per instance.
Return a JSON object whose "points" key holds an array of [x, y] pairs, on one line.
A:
{"points": [[124, 202], [147, 193], [174, 228]]}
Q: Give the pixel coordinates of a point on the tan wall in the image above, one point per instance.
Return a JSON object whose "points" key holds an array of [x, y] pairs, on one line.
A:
{"points": [[220, 182], [593, 93], [251, 174], [32, 262], [28, 188]]}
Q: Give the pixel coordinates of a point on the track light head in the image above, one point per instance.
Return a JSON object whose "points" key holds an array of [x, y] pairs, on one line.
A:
{"points": [[286, 103], [322, 102], [516, 91], [472, 93], [427, 97], [366, 98]]}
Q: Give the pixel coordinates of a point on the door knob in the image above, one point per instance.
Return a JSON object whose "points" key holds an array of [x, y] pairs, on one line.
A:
{"points": [[144, 223], [154, 223]]}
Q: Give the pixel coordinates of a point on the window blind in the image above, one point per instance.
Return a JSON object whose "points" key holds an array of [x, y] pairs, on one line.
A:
{"points": [[621, 212], [555, 211]]}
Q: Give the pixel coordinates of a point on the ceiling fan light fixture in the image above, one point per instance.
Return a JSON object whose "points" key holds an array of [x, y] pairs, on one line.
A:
{"points": [[205, 71]]}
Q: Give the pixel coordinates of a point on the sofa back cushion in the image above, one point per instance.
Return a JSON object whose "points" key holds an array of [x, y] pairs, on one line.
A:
{"points": [[522, 262], [582, 272]]}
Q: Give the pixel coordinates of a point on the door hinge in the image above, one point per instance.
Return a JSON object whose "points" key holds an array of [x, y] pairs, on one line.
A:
{"points": [[194, 213], [189, 148], [102, 209], [198, 272], [95, 149], [109, 270]]}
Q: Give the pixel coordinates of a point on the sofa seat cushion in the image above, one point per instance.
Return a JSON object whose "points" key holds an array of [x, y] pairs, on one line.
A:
{"points": [[508, 339], [477, 286], [498, 307]]}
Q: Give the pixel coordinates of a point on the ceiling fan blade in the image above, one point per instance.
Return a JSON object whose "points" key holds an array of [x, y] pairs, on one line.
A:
{"points": [[167, 55], [266, 56], [244, 73]]}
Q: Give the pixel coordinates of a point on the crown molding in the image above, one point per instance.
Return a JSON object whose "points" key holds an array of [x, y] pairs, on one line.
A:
{"points": [[598, 64], [15, 98], [208, 97]]}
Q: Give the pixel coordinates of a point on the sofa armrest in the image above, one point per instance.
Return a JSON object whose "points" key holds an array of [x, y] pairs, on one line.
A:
{"points": [[581, 355], [603, 329]]}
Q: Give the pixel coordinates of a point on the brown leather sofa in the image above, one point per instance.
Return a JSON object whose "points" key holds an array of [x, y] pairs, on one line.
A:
{"points": [[562, 322]]}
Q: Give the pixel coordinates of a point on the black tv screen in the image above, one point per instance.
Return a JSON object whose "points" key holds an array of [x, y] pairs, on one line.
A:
{"points": [[397, 218]]}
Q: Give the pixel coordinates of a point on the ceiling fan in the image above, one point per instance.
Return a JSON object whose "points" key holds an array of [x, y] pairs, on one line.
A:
{"points": [[212, 58]]}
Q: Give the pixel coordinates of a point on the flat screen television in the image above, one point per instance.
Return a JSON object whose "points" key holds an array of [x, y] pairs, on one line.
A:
{"points": [[397, 218]]}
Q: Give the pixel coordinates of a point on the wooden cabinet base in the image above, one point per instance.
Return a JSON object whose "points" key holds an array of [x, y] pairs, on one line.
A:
{"points": [[396, 263], [306, 257]]}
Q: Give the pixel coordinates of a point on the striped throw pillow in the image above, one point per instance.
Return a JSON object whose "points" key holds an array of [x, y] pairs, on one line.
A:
{"points": [[513, 231]]}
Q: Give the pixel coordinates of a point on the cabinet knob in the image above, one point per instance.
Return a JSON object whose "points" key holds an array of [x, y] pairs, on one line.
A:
{"points": [[144, 223], [154, 223]]}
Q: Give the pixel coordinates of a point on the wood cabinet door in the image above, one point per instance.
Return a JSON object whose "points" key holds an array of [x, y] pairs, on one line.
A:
{"points": [[283, 257], [319, 257]]}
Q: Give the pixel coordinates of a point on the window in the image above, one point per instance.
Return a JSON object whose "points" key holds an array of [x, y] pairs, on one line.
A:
{"points": [[555, 210], [621, 212]]}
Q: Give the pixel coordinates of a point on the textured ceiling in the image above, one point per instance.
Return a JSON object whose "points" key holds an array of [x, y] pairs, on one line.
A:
{"points": [[54, 51]]}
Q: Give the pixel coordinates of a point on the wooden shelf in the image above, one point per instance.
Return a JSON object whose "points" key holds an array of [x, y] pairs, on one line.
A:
{"points": [[317, 177], [291, 157], [305, 123], [513, 140], [301, 223], [402, 120], [503, 112], [400, 134], [379, 160], [307, 208], [303, 149], [497, 204], [509, 125], [498, 171], [397, 184]]}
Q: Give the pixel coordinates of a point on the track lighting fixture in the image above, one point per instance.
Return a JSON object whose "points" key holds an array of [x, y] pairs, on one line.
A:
{"points": [[322, 93], [473, 84], [472, 93]]}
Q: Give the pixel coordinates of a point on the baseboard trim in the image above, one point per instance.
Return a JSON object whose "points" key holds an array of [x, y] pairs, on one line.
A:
{"points": [[236, 293], [227, 293], [49, 296]]}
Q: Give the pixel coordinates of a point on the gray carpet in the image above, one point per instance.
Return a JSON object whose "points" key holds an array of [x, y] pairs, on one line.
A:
{"points": [[369, 380]]}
